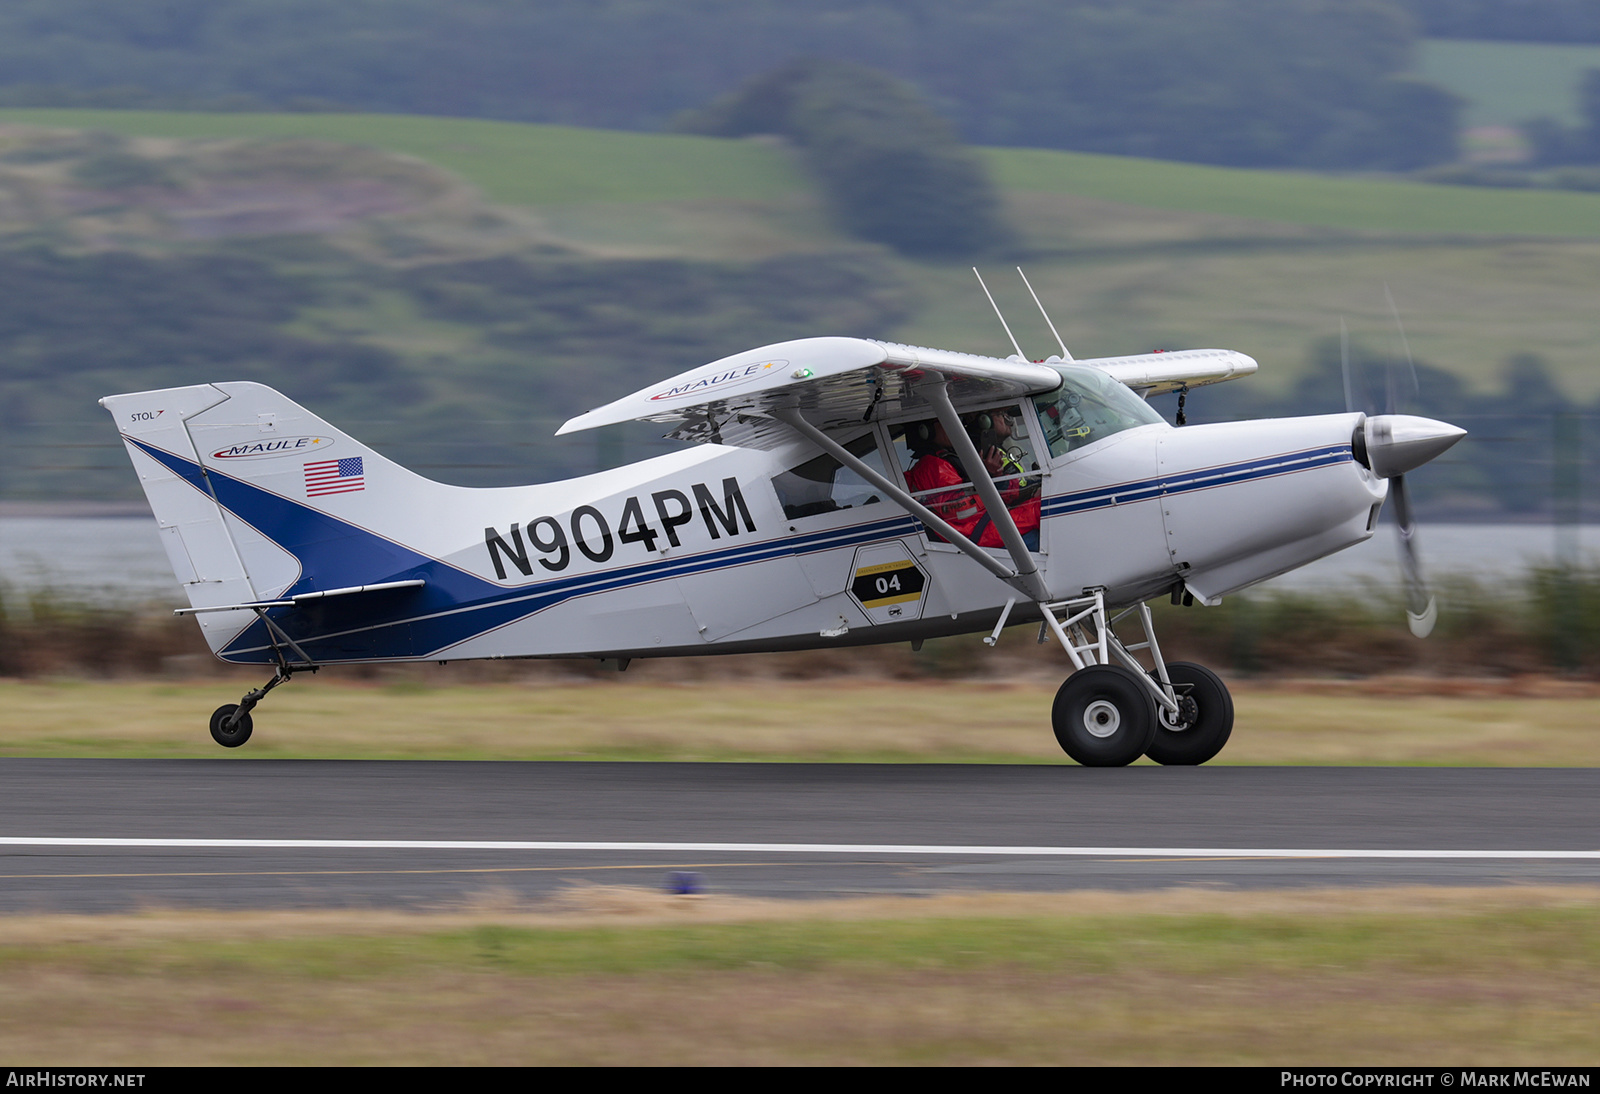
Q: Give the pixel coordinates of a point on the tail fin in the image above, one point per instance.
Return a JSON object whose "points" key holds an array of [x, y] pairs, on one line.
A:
{"points": [[258, 498]]}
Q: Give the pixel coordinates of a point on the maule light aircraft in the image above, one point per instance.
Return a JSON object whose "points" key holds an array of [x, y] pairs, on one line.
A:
{"points": [[842, 492]]}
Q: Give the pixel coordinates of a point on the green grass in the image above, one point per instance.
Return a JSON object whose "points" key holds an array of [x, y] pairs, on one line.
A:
{"points": [[511, 162], [850, 720], [628, 977], [1505, 83], [1202, 944], [520, 164], [1349, 204]]}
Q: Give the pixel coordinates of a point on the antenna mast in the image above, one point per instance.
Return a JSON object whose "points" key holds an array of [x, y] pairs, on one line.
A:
{"points": [[1065, 356], [1002, 318]]}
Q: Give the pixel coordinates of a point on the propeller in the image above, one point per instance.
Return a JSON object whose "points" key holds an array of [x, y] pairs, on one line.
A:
{"points": [[1391, 444], [1395, 444]]}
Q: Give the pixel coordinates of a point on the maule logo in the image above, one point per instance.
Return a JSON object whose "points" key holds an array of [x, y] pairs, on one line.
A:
{"points": [[727, 378], [277, 446]]}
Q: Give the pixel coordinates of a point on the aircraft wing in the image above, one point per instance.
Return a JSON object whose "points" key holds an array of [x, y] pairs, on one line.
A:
{"points": [[1160, 373], [833, 382]]}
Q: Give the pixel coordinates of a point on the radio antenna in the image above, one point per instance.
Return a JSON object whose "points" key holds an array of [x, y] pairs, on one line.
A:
{"points": [[1002, 318], [1066, 356]]}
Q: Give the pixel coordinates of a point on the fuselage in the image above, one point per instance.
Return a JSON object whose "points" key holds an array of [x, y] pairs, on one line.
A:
{"points": [[714, 548], [1205, 509]]}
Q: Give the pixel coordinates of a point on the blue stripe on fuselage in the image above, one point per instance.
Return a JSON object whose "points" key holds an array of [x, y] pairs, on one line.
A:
{"points": [[455, 605], [1185, 482]]}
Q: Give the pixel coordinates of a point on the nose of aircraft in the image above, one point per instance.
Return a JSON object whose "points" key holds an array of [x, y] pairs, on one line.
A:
{"points": [[1397, 443]]}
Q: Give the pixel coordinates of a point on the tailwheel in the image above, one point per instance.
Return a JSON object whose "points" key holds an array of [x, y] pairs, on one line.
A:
{"points": [[231, 723], [1104, 716], [228, 729], [1204, 720]]}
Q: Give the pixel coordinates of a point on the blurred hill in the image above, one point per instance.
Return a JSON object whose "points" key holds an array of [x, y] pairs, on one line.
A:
{"points": [[379, 289], [450, 290], [1497, 20], [1316, 83]]}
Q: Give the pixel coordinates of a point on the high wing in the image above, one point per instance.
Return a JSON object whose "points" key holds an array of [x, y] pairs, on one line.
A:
{"points": [[840, 382], [1164, 372], [832, 382]]}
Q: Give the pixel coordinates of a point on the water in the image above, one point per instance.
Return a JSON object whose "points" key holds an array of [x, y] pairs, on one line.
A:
{"points": [[1490, 554], [112, 559], [121, 560]]}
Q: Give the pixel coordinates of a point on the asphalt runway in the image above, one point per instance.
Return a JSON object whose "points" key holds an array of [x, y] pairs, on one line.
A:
{"points": [[244, 833]]}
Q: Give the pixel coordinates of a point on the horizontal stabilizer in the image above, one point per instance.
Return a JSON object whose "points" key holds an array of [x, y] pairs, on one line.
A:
{"points": [[384, 586]]}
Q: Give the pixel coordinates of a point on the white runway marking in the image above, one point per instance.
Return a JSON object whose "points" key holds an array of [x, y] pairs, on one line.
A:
{"points": [[788, 848]]}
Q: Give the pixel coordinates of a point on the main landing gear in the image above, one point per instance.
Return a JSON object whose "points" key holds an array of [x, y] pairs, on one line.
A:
{"points": [[1108, 715]]}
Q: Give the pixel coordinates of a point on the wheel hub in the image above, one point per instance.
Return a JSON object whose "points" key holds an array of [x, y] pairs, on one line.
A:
{"points": [[1101, 719], [1188, 714]]}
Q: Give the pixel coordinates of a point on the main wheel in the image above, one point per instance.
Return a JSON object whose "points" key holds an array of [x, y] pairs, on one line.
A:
{"points": [[1204, 722], [1104, 716], [230, 738]]}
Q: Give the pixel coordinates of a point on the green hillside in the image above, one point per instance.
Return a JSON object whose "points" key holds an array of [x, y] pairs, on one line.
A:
{"points": [[452, 289], [544, 165], [1352, 204], [513, 163]]}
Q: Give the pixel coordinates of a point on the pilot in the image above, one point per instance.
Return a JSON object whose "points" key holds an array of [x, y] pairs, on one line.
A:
{"points": [[938, 466], [990, 430]]}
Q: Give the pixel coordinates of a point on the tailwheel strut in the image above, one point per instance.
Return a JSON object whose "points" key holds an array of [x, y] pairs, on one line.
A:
{"points": [[231, 724]]}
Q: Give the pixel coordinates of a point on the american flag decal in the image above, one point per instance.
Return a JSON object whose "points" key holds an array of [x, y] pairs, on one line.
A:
{"points": [[334, 477]]}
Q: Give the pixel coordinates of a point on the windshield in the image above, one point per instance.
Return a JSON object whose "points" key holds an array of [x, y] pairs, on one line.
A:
{"points": [[1088, 406]]}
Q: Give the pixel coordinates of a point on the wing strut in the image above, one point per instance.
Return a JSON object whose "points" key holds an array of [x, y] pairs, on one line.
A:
{"points": [[1028, 579], [1025, 585]]}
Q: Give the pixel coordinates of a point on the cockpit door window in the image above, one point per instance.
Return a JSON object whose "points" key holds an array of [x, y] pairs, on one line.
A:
{"points": [[823, 485]]}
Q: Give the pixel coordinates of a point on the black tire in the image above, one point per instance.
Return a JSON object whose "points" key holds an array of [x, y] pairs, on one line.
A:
{"points": [[1104, 716], [1208, 725], [230, 738]]}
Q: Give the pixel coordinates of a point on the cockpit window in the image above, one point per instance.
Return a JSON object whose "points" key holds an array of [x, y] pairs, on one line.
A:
{"points": [[824, 485], [1088, 406]]}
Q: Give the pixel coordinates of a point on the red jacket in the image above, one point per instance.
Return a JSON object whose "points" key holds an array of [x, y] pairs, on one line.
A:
{"points": [[960, 506]]}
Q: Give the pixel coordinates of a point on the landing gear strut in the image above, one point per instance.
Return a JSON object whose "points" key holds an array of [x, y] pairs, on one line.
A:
{"points": [[1204, 721], [1108, 715], [231, 724]]}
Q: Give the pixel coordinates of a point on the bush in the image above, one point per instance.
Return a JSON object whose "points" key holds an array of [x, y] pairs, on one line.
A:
{"points": [[1551, 626], [892, 170]]}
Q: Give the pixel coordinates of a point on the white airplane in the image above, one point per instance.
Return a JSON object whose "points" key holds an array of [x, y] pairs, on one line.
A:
{"points": [[829, 501]]}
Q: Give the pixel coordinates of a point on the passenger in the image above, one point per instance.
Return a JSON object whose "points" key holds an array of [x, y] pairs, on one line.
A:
{"points": [[960, 506]]}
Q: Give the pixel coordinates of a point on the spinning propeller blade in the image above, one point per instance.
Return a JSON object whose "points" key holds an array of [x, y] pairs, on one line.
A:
{"points": [[1344, 367], [1422, 610], [1397, 443]]}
